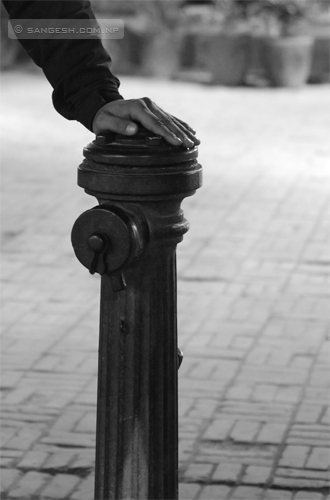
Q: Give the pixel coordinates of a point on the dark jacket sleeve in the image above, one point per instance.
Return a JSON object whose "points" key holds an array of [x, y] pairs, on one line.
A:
{"points": [[77, 69]]}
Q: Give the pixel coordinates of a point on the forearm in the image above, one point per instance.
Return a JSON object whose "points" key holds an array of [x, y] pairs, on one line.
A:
{"points": [[77, 69]]}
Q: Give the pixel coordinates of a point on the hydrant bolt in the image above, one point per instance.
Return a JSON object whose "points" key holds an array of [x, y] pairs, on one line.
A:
{"points": [[97, 243]]}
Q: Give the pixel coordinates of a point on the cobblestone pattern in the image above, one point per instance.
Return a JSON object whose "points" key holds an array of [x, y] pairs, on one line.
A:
{"points": [[253, 297]]}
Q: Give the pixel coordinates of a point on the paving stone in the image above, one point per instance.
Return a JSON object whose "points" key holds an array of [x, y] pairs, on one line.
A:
{"points": [[244, 431], [18, 396], [218, 430], [7, 433], [305, 440], [227, 472], [60, 459], [188, 491], [225, 370], [316, 394], [84, 459], [184, 405], [247, 493], [278, 495], [261, 412], [264, 392], [309, 413], [303, 473], [302, 362], [214, 492], [240, 391], [7, 462], [85, 490], [256, 475], [87, 423], [10, 378], [317, 429], [258, 355], [271, 433], [319, 459], [85, 398], [61, 486], [33, 460], [235, 459], [280, 358], [203, 370], [25, 417], [308, 495], [243, 342], [15, 454], [294, 456], [299, 483], [290, 394], [26, 411], [320, 377], [70, 439], [24, 439], [185, 448], [8, 477], [276, 375], [29, 485], [198, 471], [67, 421], [47, 363], [202, 408], [199, 388], [326, 418]]}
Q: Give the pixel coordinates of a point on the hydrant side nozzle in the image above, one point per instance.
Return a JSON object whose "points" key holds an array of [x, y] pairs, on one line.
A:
{"points": [[105, 242]]}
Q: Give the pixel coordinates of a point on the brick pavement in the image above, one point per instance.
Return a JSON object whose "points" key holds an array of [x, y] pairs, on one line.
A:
{"points": [[253, 297]]}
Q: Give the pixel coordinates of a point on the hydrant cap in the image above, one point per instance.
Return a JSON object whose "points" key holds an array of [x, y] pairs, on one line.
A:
{"points": [[138, 149], [141, 164]]}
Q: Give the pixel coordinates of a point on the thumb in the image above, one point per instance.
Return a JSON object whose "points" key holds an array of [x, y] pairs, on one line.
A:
{"points": [[122, 126], [105, 122]]}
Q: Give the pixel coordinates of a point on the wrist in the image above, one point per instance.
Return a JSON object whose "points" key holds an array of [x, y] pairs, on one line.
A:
{"points": [[92, 104]]}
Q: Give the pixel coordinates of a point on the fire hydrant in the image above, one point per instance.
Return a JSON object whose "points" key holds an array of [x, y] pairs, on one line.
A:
{"points": [[130, 239]]}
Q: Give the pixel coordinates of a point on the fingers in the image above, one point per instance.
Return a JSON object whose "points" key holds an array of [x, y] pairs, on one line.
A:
{"points": [[122, 116], [185, 136], [172, 124], [188, 131], [178, 127], [188, 127], [155, 124]]}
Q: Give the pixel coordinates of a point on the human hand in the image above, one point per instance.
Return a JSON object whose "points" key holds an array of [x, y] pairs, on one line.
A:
{"points": [[122, 116]]}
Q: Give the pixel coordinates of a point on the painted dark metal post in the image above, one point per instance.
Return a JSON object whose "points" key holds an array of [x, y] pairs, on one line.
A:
{"points": [[130, 239]]}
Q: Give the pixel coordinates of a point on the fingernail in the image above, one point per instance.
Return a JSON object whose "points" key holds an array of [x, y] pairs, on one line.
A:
{"points": [[131, 128], [178, 138]]}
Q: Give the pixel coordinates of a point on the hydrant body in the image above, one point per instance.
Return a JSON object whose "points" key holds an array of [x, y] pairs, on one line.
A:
{"points": [[130, 239]]}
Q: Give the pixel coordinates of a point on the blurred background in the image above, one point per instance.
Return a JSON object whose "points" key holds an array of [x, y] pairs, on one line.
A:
{"points": [[229, 42]]}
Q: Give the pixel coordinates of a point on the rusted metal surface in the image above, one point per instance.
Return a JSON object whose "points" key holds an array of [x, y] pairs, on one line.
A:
{"points": [[130, 239]]}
